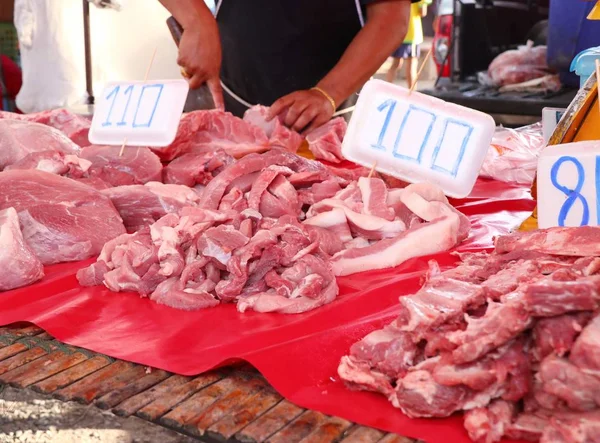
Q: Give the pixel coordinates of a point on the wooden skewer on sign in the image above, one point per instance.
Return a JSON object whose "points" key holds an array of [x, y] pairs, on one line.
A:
{"points": [[145, 80], [372, 170], [420, 71]]}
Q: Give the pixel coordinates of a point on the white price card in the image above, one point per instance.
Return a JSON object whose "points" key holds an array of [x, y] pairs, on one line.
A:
{"points": [[550, 119], [568, 185], [415, 137], [142, 113]]}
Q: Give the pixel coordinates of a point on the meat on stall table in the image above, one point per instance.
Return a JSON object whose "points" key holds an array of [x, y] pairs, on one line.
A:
{"points": [[525, 366]]}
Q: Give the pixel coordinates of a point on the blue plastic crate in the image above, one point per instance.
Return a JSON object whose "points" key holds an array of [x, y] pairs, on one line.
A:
{"points": [[569, 33]]}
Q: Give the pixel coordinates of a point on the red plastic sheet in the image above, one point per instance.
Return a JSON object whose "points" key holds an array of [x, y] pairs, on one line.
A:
{"points": [[298, 354]]}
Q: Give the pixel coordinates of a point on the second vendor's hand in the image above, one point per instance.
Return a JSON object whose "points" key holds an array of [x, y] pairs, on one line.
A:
{"points": [[306, 110], [200, 60]]}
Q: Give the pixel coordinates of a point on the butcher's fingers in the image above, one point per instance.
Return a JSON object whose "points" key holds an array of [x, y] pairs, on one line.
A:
{"points": [[307, 116], [214, 85]]}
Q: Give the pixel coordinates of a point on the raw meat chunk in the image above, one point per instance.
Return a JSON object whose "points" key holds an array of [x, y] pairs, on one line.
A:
{"points": [[72, 125], [578, 242], [207, 131], [586, 350], [142, 205], [136, 166], [556, 335], [20, 138], [325, 142], [196, 169], [279, 135], [20, 266], [54, 162], [62, 220]]}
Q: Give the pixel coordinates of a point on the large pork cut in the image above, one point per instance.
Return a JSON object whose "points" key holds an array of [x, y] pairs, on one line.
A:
{"points": [[62, 220], [196, 168], [206, 131], [20, 266], [137, 165], [72, 125], [20, 138], [142, 205]]}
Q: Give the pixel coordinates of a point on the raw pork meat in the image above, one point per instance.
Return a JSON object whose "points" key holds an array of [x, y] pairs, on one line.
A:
{"points": [[196, 169], [62, 220], [136, 166], [207, 131], [202, 258], [525, 366], [279, 135], [325, 142], [54, 162], [20, 266], [518, 66], [388, 226], [20, 138], [72, 125], [142, 205]]}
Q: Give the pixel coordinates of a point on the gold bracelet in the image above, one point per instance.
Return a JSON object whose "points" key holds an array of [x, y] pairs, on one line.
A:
{"points": [[327, 96]]}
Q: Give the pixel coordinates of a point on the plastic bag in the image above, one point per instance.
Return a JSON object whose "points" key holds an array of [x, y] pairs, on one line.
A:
{"points": [[513, 154], [519, 65]]}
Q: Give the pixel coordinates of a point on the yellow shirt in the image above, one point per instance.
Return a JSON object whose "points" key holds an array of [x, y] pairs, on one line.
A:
{"points": [[414, 35]]}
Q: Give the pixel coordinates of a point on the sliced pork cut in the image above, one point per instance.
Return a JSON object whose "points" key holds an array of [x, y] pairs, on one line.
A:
{"points": [[137, 165], [62, 220], [580, 242], [202, 257], [20, 266], [325, 142], [196, 169], [207, 131], [142, 205], [20, 138], [74, 126]]}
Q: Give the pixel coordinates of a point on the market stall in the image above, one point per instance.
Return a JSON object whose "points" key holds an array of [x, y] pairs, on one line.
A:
{"points": [[387, 298]]}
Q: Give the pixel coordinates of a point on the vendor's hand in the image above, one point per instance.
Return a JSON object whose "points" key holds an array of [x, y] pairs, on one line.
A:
{"points": [[200, 59], [306, 110]]}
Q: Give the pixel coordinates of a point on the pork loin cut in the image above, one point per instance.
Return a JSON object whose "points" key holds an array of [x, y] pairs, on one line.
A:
{"points": [[325, 142], [62, 220], [142, 205], [20, 266], [20, 138], [72, 125], [137, 165], [206, 131], [579, 242]]}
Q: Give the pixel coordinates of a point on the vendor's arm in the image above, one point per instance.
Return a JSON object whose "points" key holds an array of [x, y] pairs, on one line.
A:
{"points": [[384, 31], [200, 46]]}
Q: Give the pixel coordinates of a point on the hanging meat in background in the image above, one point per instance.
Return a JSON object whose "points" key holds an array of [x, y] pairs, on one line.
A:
{"points": [[523, 65]]}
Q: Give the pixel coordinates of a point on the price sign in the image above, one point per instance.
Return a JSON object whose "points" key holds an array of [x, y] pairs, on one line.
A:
{"points": [[143, 113], [415, 137], [550, 119], [568, 185]]}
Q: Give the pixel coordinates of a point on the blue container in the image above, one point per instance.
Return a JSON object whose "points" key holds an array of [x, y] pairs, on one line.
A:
{"points": [[569, 33], [584, 64]]}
